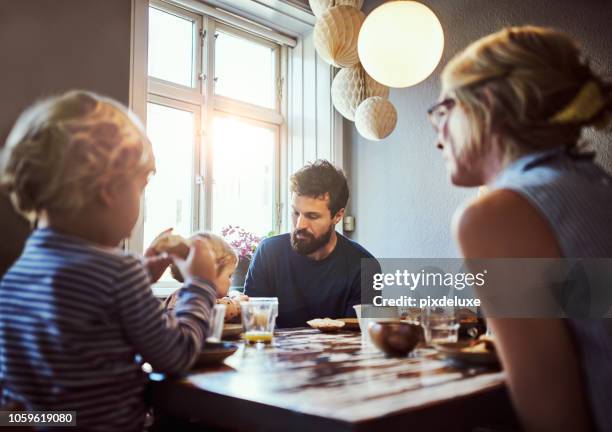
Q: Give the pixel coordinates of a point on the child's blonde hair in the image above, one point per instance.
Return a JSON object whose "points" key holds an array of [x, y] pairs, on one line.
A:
{"points": [[224, 254], [529, 83], [62, 148]]}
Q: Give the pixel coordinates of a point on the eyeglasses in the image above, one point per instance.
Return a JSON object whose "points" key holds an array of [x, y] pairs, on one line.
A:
{"points": [[439, 112]]}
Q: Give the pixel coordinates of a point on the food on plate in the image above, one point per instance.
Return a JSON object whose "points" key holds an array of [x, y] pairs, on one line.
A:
{"points": [[232, 306], [326, 324], [484, 344], [476, 348]]}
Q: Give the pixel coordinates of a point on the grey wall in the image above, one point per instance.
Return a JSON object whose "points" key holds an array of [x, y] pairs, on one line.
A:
{"points": [[400, 194], [50, 46]]}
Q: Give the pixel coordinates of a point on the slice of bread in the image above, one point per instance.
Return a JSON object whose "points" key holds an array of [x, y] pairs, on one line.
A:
{"points": [[172, 244]]}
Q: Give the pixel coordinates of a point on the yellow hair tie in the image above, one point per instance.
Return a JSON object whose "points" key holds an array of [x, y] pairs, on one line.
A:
{"points": [[588, 102]]}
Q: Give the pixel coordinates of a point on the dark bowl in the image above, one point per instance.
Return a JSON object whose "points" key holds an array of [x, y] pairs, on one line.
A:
{"points": [[396, 339], [213, 353]]}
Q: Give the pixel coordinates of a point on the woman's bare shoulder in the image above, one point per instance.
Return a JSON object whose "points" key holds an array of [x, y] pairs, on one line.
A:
{"points": [[503, 224]]}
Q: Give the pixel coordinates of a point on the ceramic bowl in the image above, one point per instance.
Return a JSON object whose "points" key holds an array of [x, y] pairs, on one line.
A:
{"points": [[395, 338], [214, 353]]}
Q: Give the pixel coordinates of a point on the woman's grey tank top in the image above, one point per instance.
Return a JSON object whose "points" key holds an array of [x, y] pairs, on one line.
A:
{"points": [[575, 196]]}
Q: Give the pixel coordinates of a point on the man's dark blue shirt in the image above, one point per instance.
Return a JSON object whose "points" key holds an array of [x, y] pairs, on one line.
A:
{"points": [[306, 288]]}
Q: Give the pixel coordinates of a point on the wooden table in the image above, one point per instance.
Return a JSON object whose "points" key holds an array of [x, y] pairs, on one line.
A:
{"points": [[315, 381]]}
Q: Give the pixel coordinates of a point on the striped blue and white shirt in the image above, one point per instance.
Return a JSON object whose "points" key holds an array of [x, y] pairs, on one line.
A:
{"points": [[76, 322]]}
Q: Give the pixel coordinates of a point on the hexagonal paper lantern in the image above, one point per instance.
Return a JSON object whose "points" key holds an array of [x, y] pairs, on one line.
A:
{"points": [[375, 118], [351, 86], [336, 34], [320, 6]]}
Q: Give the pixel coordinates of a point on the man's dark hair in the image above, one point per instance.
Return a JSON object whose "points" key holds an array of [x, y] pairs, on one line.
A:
{"points": [[319, 178]]}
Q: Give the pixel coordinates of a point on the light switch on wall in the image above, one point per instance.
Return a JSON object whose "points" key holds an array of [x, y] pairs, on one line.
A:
{"points": [[349, 223]]}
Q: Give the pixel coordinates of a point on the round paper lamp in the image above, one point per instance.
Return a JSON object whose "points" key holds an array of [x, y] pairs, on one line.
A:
{"points": [[375, 118], [350, 87], [320, 6], [400, 43], [336, 34]]}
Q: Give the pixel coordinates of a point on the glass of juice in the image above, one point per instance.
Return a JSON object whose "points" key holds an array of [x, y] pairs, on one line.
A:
{"points": [[259, 318]]}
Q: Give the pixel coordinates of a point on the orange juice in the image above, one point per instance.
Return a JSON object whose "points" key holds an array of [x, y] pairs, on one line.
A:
{"points": [[261, 319], [257, 336]]}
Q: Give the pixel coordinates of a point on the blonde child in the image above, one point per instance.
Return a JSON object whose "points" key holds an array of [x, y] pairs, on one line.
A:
{"points": [[227, 260], [77, 316]]}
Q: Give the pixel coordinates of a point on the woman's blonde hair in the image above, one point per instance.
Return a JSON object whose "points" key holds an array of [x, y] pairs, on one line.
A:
{"points": [[62, 148], [528, 83]]}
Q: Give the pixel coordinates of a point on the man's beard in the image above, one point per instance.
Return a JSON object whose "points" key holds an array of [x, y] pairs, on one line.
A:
{"points": [[311, 243]]}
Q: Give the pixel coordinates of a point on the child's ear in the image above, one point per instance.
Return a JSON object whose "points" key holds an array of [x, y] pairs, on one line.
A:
{"points": [[108, 192]]}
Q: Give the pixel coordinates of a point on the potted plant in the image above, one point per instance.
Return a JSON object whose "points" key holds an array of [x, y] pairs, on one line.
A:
{"points": [[244, 243]]}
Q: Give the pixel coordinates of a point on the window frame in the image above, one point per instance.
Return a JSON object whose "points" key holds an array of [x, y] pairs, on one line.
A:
{"points": [[201, 95], [179, 12]]}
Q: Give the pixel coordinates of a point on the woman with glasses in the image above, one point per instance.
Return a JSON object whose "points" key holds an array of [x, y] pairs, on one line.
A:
{"points": [[512, 110]]}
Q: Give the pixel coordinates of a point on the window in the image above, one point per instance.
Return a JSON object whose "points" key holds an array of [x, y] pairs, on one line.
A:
{"points": [[214, 118], [170, 194], [233, 56], [246, 182], [172, 47]]}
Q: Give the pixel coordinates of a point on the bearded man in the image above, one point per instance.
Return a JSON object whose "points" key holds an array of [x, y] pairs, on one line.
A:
{"points": [[314, 271]]}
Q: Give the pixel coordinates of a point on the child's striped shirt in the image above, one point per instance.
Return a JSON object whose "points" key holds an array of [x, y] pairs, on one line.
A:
{"points": [[76, 322]]}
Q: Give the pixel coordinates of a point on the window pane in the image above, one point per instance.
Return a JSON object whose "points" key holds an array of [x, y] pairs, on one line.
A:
{"points": [[168, 196], [171, 47], [243, 170], [244, 70]]}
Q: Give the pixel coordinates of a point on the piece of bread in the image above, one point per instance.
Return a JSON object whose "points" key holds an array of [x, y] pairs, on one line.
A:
{"points": [[172, 244], [326, 324], [232, 307]]}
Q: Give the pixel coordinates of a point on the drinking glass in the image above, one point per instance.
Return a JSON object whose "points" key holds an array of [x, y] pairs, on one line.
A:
{"points": [[367, 313], [215, 327], [440, 325], [259, 318]]}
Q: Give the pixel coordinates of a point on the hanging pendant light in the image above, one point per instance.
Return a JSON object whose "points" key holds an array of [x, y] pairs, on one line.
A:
{"points": [[400, 43], [319, 6], [350, 87], [335, 35]]}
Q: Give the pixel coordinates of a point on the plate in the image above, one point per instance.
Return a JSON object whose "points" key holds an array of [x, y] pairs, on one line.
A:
{"points": [[231, 331], [350, 324], [454, 351], [214, 353]]}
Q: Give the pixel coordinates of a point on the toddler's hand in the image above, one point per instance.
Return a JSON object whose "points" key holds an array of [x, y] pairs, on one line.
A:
{"points": [[156, 265], [199, 263]]}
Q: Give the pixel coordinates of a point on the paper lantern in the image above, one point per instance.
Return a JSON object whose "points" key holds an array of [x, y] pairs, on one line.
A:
{"points": [[320, 6], [336, 34], [375, 118], [401, 43], [351, 86]]}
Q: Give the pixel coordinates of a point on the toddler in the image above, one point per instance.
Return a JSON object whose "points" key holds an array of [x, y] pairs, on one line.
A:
{"points": [[227, 260], [77, 315]]}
